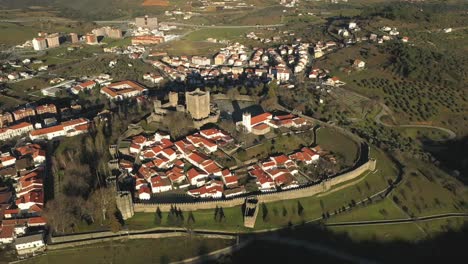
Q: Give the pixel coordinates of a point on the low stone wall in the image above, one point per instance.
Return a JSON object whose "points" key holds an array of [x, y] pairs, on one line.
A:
{"points": [[71, 241], [267, 197], [237, 97]]}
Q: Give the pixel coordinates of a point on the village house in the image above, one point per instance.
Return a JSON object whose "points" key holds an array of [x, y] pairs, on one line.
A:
{"points": [[88, 85], [144, 193], [359, 64], [159, 184], [152, 77]]}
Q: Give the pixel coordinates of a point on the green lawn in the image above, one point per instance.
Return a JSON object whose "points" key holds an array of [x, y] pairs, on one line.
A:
{"points": [[14, 34], [407, 231], [336, 142], [191, 48], [218, 33], [435, 227], [426, 190], [163, 250], [381, 210], [423, 133], [204, 219], [117, 42], [280, 144]]}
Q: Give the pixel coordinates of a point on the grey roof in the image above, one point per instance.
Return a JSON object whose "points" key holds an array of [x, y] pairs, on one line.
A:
{"points": [[28, 239]]}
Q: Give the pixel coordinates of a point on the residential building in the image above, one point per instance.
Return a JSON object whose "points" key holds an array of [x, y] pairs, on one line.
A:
{"points": [[46, 109], [146, 22], [152, 77], [23, 113], [26, 245], [15, 130], [114, 33], [74, 38], [147, 40], [359, 64], [39, 43], [53, 40], [83, 87], [91, 39], [219, 59], [5, 119]]}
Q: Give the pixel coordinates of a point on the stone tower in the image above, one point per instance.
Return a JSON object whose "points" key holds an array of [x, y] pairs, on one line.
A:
{"points": [[173, 99], [125, 204], [246, 121], [198, 104]]}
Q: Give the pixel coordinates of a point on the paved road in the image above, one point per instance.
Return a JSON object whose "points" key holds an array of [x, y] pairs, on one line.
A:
{"points": [[191, 25], [399, 221], [223, 26]]}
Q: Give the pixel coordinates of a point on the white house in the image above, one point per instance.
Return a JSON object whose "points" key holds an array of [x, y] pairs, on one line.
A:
{"points": [[15, 130], [196, 177], [159, 184], [144, 193], [29, 244]]}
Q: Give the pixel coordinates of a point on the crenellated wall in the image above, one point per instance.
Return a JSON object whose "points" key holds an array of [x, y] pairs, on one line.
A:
{"points": [[266, 197]]}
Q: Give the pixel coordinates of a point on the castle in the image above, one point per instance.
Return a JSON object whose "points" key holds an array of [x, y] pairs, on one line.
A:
{"points": [[197, 104]]}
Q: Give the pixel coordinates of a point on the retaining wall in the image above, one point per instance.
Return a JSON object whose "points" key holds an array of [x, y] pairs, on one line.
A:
{"points": [[239, 97], [267, 197]]}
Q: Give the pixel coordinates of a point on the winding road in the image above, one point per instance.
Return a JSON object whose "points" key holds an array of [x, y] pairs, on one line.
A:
{"points": [[385, 111]]}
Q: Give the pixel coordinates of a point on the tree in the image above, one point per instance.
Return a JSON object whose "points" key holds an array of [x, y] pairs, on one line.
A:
{"points": [[171, 217], [265, 215], [190, 219], [178, 123], [221, 214], [216, 213], [158, 216], [300, 209], [115, 224], [285, 212], [103, 204]]}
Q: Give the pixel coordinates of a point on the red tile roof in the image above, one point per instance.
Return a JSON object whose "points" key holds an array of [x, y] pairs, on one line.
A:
{"points": [[260, 118]]}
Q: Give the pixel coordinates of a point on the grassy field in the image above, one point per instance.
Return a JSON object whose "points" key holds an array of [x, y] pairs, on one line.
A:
{"points": [[426, 190], [204, 219], [191, 48], [234, 34], [408, 232], [381, 210], [283, 144], [117, 42], [435, 227], [338, 143], [134, 251], [424, 133], [14, 33]]}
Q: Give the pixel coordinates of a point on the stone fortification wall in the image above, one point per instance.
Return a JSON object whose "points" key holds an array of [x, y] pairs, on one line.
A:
{"points": [[266, 197]]}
